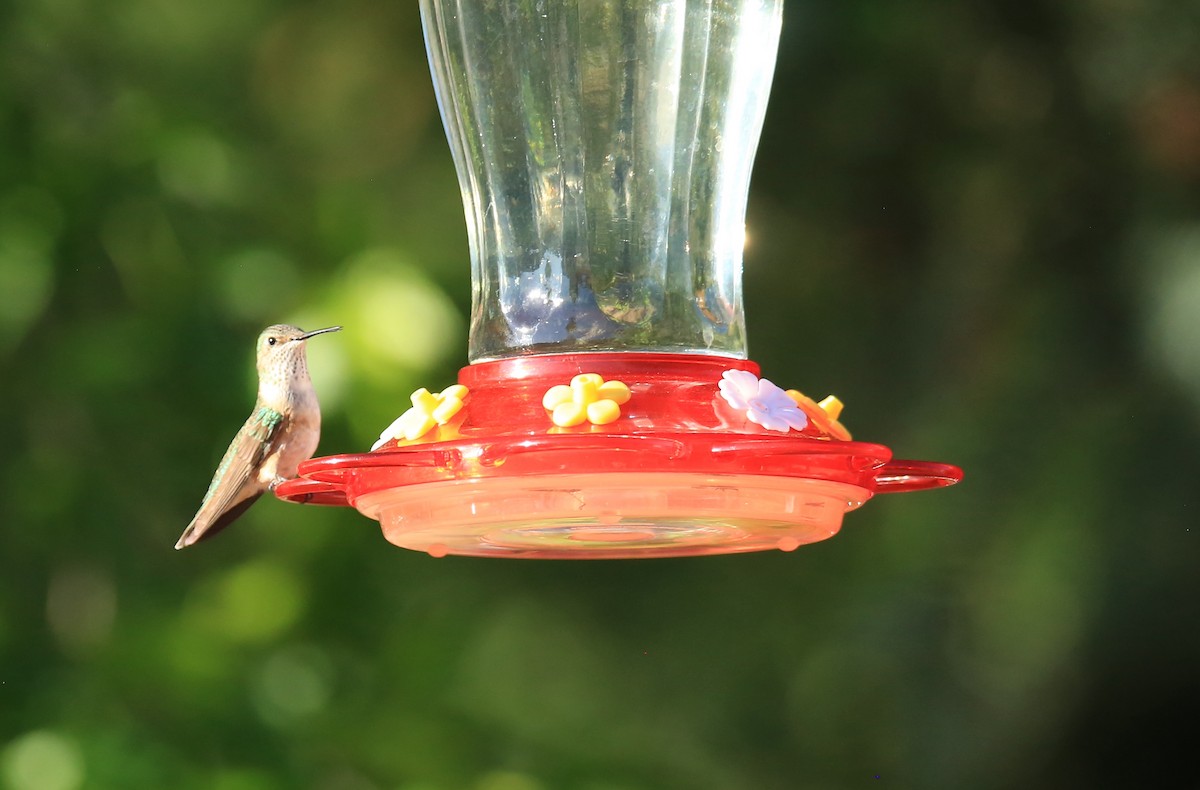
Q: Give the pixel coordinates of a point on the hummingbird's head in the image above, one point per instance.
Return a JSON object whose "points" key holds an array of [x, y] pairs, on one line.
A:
{"points": [[281, 342]]}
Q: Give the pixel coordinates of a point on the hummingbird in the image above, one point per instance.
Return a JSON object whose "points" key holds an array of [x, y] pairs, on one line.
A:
{"points": [[281, 432]]}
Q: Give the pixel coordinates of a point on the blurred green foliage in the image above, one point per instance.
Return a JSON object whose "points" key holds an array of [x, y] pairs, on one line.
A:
{"points": [[978, 223]]}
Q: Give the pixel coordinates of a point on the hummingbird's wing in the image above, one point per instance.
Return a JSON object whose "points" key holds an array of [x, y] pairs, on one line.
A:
{"points": [[236, 486]]}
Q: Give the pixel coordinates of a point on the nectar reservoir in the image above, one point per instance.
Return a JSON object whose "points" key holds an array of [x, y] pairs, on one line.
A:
{"points": [[603, 150]]}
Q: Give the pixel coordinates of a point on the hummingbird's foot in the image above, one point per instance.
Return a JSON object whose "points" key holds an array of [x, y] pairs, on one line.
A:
{"points": [[275, 483]]}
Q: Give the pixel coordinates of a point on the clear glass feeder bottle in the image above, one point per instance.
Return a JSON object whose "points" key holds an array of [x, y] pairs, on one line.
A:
{"points": [[604, 150]]}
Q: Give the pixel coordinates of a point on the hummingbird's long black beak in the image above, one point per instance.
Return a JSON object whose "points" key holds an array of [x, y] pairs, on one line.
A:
{"points": [[307, 335]]}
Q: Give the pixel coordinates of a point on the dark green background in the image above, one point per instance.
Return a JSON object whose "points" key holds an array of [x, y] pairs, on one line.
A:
{"points": [[978, 223]]}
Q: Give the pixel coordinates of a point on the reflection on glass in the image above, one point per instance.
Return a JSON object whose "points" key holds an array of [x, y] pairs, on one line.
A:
{"points": [[604, 150]]}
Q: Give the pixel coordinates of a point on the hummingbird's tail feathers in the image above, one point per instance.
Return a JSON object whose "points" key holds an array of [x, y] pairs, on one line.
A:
{"points": [[235, 485], [198, 530]]}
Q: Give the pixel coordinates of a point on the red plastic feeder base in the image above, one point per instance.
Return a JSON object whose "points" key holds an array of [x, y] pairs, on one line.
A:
{"points": [[679, 473]]}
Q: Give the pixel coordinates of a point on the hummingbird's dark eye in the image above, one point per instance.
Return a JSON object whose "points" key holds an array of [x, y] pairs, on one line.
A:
{"points": [[270, 341]]}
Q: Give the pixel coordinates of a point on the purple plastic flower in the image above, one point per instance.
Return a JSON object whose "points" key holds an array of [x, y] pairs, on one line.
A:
{"points": [[764, 403]]}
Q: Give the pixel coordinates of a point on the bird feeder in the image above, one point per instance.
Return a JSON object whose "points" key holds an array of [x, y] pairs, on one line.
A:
{"points": [[604, 150]]}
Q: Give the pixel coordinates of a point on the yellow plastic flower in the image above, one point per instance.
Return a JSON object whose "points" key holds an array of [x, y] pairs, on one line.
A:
{"points": [[427, 412], [824, 414], [588, 398]]}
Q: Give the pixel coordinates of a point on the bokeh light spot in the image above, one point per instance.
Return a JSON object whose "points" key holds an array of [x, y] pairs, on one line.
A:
{"points": [[43, 760], [196, 166], [1174, 306], [399, 317], [507, 780], [293, 683], [26, 276], [243, 779], [81, 606], [145, 250], [254, 602], [255, 282]]}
